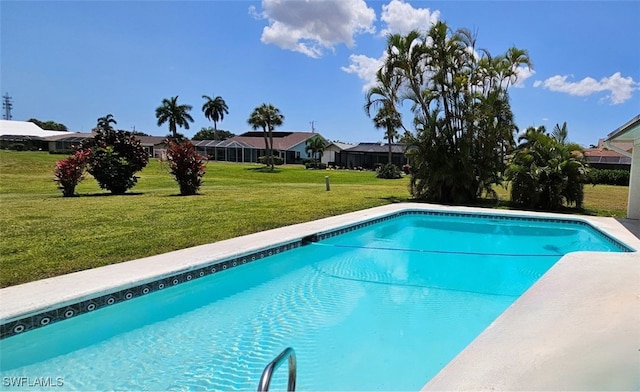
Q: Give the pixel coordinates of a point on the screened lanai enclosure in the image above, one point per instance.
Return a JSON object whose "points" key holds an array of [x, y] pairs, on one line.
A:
{"points": [[227, 150]]}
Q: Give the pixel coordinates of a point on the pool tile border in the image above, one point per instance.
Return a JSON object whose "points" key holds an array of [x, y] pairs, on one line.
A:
{"points": [[111, 298], [68, 311]]}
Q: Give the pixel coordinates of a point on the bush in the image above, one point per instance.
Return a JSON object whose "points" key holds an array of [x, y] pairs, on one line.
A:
{"points": [[388, 171], [276, 160], [115, 157], [609, 177], [315, 165], [70, 171], [186, 166]]}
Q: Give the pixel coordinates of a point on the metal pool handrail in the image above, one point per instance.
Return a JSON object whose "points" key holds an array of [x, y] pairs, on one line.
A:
{"points": [[265, 379]]}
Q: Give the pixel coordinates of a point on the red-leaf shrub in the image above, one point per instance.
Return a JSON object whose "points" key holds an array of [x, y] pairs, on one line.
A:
{"points": [[186, 166], [70, 171]]}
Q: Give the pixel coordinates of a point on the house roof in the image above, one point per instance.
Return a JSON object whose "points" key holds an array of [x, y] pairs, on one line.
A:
{"points": [[69, 137], [340, 145], [377, 148], [26, 128], [595, 155], [282, 140], [222, 144], [628, 132]]}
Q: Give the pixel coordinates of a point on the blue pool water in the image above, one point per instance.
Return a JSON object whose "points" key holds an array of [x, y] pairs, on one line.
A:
{"points": [[384, 307]]}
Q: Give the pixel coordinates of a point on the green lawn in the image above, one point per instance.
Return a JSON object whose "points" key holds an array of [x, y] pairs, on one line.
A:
{"points": [[44, 234]]}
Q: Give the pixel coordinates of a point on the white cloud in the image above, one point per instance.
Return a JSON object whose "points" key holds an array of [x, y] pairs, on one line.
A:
{"points": [[312, 26], [365, 68], [522, 73], [401, 17], [620, 88]]}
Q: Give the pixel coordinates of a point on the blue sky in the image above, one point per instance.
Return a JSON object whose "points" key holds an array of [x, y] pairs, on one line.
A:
{"points": [[75, 61]]}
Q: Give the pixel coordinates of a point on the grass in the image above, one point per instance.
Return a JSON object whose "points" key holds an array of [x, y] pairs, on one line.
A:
{"points": [[44, 234]]}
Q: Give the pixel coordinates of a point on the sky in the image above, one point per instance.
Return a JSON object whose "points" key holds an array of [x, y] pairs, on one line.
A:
{"points": [[75, 61]]}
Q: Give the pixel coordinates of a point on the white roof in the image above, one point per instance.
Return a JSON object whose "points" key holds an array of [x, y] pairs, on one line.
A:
{"points": [[25, 128]]}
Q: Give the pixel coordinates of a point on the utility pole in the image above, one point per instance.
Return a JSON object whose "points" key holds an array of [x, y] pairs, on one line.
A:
{"points": [[313, 127], [7, 105]]}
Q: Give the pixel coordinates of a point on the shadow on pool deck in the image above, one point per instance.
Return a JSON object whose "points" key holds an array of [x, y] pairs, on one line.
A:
{"points": [[633, 225]]}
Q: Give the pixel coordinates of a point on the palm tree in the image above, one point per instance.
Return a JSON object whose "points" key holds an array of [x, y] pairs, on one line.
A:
{"points": [[105, 122], [176, 115], [214, 109], [544, 172], [389, 120], [267, 117], [315, 146], [561, 133]]}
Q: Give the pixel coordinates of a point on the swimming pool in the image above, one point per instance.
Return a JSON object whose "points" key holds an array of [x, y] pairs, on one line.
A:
{"points": [[376, 305]]}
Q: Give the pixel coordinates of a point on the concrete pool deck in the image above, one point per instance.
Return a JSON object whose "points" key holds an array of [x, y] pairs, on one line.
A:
{"points": [[577, 328]]}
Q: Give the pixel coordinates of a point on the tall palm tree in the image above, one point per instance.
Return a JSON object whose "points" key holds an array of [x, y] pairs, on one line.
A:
{"points": [[214, 109], [267, 117], [105, 122], [176, 115], [389, 120]]}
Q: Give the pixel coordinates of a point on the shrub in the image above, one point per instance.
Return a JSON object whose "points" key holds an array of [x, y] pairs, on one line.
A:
{"points": [[186, 166], [70, 171], [545, 173], [315, 165], [609, 177], [115, 158], [388, 171], [276, 160]]}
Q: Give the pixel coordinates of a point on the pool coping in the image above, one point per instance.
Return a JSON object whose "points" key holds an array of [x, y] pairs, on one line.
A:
{"points": [[68, 293]]}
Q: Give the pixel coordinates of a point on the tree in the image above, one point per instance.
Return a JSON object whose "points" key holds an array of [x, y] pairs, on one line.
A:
{"points": [[49, 125], [315, 145], [214, 109], [114, 157], [389, 120], [463, 124], [176, 115], [208, 133], [105, 122], [186, 165], [267, 117], [545, 172], [561, 133], [384, 97]]}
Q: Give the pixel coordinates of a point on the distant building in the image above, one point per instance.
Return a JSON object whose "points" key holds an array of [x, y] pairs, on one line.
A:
{"points": [[601, 157], [368, 155], [333, 148], [290, 146], [26, 135]]}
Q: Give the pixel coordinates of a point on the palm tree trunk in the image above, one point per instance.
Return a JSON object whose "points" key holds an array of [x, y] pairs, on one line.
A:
{"points": [[266, 145], [271, 146]]}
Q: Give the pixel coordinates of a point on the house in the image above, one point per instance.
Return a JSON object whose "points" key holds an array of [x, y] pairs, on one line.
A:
{"points": [[601, 157], [368, 155], [629, 133], [28, 136], [227, 150], [288, 145], [330, 151], [24, 135]]}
